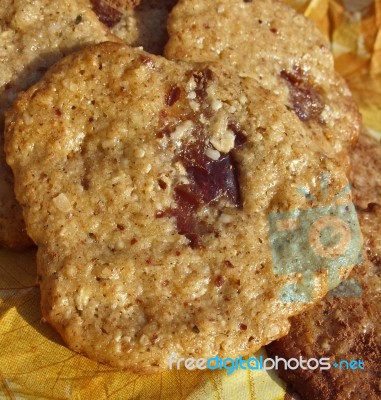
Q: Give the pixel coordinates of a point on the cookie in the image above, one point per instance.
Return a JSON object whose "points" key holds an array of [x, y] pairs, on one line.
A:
{"points": [[345, 328], [147, 185], [34, 34], [140, 23], [268, 41], [365, 177]]}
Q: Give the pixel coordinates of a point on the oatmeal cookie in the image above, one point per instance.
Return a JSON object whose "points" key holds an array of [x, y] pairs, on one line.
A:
{"points": [[147, 185], [33, 35], [345, 328], [270, 42]]}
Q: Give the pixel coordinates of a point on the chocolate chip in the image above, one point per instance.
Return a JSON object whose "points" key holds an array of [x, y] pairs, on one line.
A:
{"points": [[105, 13], [173, 95], [240, 134], [85, 183], [209, 181], [147, 61], [219, 281], [306, 99], [228, 264], [202, 79], [162, 184]]}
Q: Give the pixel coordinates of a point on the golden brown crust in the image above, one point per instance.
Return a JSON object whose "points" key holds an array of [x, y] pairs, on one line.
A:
{"points": [[345, 328]]}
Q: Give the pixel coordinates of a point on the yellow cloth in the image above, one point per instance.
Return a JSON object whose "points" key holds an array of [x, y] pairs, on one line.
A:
{"points": [[35, 364]]}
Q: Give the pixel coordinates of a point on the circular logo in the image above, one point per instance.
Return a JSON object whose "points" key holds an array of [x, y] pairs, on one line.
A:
{"points": [[330, 236]]}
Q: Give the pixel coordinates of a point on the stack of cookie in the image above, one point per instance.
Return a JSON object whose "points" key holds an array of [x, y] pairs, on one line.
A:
{"points": [[345, 327], [147, 183]]}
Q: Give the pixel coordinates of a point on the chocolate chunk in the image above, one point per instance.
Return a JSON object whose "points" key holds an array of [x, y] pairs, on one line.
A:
{"points": [[187, 197], [162, 184], [210, 180], [228, 264], [219, 281], [306, 99], [202, 78], [173, 95], [106, 14], [240, 134], [85, 183], [186, 225], [147, 61]]}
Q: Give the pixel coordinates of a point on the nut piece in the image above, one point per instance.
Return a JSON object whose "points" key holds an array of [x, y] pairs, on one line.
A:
{"points": [[223, 138], [181, 130], [62, 203], [213, 154], [223, 141]]}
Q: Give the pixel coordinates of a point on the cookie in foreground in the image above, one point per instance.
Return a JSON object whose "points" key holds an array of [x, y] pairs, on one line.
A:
{"points": [[345, 328], [147, 185], [35, 34]]}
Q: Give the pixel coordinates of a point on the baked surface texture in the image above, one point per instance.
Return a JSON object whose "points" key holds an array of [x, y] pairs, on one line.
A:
{"points": [[147, 185], [270, 42], [34, 34], [346, 328]]}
